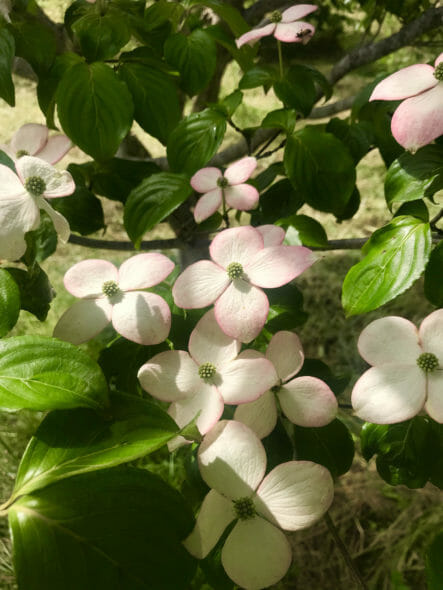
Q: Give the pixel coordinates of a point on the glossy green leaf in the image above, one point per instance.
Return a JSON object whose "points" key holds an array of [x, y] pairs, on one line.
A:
{"points": [[117, 529], [310, 231], [95, 108], [195, 140], [437, 466], [279, 201], [162, 12], [395, 256], [116, 178], [41, 242], [6, 160], [41, 373], [36, 292], [433, 276], [378, 115], [286, 309], [355, 136], [434, 563], [297, 89], [152, 201], [258, 76], [101, 36], [415, 208], [7, 51], [321, 169], [284, 119], [229, 104], [35, 42], [9, 302]]}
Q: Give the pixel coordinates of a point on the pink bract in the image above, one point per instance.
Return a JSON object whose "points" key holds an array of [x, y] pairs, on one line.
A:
{"points": [[419, 119], [293, 496], [32, 139], [241, 265], [286, 26], [407, 370], [108, 294]]}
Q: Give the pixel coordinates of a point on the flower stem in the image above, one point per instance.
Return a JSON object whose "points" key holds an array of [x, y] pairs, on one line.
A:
{"points": [[225, 211], [345, 553], [280, 58]]}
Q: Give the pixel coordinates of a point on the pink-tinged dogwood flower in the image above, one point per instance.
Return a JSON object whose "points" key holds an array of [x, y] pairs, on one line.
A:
{"points": [[33, 140], [407, 372], [21, 198], [229, 187], [293, 496], [419, 119], [240, 266], [114, 295], [285, 26], [272, 235], [203, 380], [305, 401]]}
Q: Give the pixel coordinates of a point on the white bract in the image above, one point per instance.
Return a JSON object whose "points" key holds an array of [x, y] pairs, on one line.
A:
{"points": [[32, 139]]}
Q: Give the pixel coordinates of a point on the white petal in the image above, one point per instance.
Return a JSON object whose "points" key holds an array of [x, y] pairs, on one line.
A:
{"points": [[296, 494], [296, 12], [170, 376], [61, 224], [434, 403], [19, 213], [237, 244], [54, 150], [12, 245], [199, 285], [215, 514], [285, 352], [206, 405], [86, 278], [244, 380], [256, 554], [232, 459], [405, 83], [240, 171], [255, 35], [272, 234], [208, 204], [142, 317], [390, 340], [277, 265], [295, 32], [31, 138], [208, 343], [58, 183], [308, 401], [143, 271], [242, 197], [205, 180], [260, 416], [83, 320], [431, 335], [389, 394]]}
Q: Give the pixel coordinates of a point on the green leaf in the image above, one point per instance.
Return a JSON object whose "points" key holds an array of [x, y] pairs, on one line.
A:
{"points": [[378, 116], [116, 178], [230, 103], [228, 13], [41, 242], [310, 231], [162, 12], [101, 36], [35, 42], [321, 169], [415, 208], [157, 107], [279, 201], [354, 136], [152, 201], [117, 529], [433, 284], [35, 289], [258, 76], [285, 309], [9, 302], [319, 369], [434, 563], [297, 89], [284, 119], [395, 256], [195, 140], [6, 161], [331, 446], [70, 442], [194, 56], [414, 176], [7, 51], [94, 108], [41, 373]]}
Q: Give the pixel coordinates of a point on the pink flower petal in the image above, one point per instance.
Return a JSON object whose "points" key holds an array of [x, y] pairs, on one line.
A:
{"points": [[207, 205], [12, 245], [83, 320], [240, 171], [58, 183], [19, 213], [296, 494], [232, 459], [272, 234], [237, 244], [434, 403], [206, 405], [431, 334], [277, 265], [31, 138], [256, 554], [255, 35], [390, 340], [297, 32], [205, 180], [208, 343], [241, 311], [389, 394], [199, 285], [215, 514], [244, 380], [170, 376], [418, 120], [86, 278], [142, 317], [242, 197], [405, 83], [61, 224], [143, 271], [296, 12], [285, 352], [439, 60], [260, 416], [10, 185], [54, 150], [308, 401]]}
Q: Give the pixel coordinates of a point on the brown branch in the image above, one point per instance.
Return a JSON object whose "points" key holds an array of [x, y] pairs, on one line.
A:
{"points": [[332, 109]]}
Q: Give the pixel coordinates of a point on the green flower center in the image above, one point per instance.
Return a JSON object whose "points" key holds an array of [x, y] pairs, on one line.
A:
{"points": [[438, 72], [427, 362], [244, 508], [35, 185], [206, 371], [21, 153], [110, 288], [275, 16], [222, 182], [234, 270]]}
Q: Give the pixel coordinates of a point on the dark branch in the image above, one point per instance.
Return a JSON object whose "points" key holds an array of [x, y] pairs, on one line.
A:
{"points": [[332, 109]]}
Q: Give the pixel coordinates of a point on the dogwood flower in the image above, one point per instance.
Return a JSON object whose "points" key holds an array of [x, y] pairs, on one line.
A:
{"points": [[418, 120], [108, 294], [229, 187], [407, 372], [33, 140], [240, 266], [294, 495], [203, 380], [22, 195], [285, 26], [305, 401]]}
